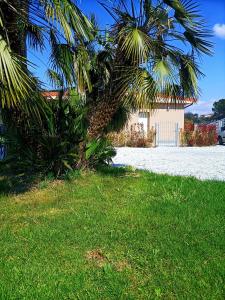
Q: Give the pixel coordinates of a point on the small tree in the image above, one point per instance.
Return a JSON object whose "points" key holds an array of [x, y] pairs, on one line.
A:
{"points": [[219, 108], [189, 116]]}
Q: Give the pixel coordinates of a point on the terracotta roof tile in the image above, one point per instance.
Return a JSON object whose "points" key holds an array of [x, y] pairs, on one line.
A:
{"points": [[55, 93]]}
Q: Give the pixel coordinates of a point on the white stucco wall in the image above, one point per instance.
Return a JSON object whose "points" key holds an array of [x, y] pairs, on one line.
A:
{"points": [[167, 121], [161, 115], [167, 116]]}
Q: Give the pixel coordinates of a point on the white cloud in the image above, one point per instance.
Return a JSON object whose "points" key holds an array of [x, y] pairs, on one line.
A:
{"points": [[219, 30]]}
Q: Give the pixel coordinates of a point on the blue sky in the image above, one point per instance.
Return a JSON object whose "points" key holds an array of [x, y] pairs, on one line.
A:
{"points": [[212, 85]]}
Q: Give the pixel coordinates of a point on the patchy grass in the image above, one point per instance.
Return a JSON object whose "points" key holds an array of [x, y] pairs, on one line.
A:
{"points": [[115, 234]]}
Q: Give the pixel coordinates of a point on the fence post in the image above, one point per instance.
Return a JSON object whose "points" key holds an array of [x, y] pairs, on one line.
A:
{"points": [[156, 135], [181, 140], [177, 134]]}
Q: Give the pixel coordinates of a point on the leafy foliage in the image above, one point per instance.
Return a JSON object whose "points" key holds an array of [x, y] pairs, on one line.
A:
{"points": [[199, 135], [219, 108], [130, 66], [32, 21], [55, 144], [99, 152], [15, 84], [147, 59], [198, 119]]}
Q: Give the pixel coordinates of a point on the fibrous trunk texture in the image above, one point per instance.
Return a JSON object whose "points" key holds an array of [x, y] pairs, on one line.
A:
{"points": [[101, 116]]}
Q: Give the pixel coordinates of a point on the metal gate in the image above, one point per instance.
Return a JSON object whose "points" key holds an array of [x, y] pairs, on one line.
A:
{"points": [[167, 134]]}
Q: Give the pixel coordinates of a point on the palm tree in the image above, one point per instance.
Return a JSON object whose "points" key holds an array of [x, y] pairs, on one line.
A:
{"points": [[141, 58], [32, 20], [148, 57]]}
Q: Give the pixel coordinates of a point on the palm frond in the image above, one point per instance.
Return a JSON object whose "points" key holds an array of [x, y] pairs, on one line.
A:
{"points": [[198, 42], [136, 86], [55, 78], [70, 18], [13, 78], [61, 59], [135, 44], [82, 68], [35, 36], [186, 12], [189, 74]]}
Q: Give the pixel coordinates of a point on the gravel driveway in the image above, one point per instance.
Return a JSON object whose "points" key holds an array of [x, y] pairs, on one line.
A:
{"points": [[202, 163]]}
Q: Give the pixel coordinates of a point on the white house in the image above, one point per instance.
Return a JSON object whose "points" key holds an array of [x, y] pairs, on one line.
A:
{"points": [[167, 118]]}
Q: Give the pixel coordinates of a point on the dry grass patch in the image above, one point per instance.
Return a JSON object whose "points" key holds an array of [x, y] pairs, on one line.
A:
{"points": [[96, 256], [122, 265], [100, 259]]}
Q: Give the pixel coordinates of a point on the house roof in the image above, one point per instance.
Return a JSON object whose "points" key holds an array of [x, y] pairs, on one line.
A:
{"points": [[53, 94], [178, 99]]}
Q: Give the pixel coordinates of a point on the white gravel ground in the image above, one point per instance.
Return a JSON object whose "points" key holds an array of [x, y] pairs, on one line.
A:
{"points": [[202, 163]]}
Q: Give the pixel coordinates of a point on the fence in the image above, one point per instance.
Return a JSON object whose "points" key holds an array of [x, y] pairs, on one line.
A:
{"points": [[167, 134]]}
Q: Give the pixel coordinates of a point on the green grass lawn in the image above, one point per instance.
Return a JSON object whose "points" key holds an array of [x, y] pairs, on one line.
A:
{"points": [[113, 235]]}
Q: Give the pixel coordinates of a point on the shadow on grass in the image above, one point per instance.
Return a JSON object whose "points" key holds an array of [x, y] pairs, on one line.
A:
{"points": [[15, 181], [115, 170]]}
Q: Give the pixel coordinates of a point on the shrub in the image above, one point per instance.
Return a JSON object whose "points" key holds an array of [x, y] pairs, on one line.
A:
{"points": [[207, 135], [135, 136], [58, 143], [118, 139], [189, 126], [199, 135], [99, 153]]}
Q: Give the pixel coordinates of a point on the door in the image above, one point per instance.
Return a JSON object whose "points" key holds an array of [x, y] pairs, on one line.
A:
{"points": [[167, 134]]}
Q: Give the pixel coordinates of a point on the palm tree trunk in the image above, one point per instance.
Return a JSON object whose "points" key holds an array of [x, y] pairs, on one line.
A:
{"points": [[103, 113], [101, 116]]}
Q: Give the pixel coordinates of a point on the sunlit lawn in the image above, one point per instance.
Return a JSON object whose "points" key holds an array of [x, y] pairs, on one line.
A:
{"points": [[113, 235]]}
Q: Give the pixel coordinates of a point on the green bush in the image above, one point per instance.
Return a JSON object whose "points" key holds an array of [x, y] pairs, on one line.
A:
{"points": [[58, 143], [99, 152]]}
